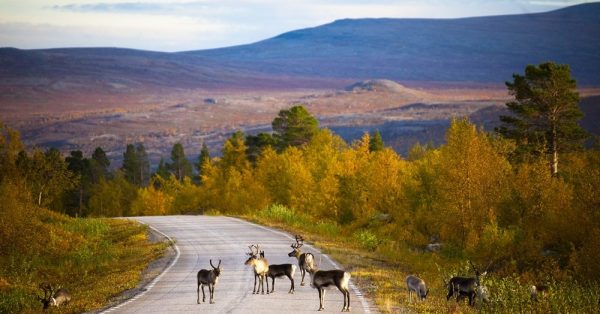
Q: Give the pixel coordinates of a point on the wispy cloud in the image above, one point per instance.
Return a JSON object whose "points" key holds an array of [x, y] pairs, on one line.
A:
{"points": [[195, 24]]}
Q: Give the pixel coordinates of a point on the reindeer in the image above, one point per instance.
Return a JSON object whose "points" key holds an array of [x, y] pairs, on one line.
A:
{"points": [[320, 279], [210, 279], [53, 298], [280, 270], [541, 290], [261, 268], [416, 284], [465, 286], [306, 261]]}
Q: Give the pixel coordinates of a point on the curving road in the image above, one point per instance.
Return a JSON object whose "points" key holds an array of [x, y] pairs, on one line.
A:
{"points": [[200, 238]]}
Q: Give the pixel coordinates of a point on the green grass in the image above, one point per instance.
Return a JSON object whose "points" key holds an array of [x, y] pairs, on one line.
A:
{"points": [[94, 259], [379, 267]]}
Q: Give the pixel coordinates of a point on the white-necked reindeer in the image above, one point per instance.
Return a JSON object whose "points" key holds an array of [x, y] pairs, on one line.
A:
{"points": [[210, 279], [52, 297], [261, 268], [280, 270], [466, 286], [321, 279], [306, 261], [416, 284]]}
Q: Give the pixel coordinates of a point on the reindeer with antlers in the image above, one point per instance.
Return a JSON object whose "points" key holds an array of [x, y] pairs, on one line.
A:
{"points": [[210, 279], [52, 297], [466, 286], [306, 261], [261, 268]]}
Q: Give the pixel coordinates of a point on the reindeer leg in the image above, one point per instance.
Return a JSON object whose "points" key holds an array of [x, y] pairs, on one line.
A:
{"points": [[203, 296], [254, 290], [267, 280], [211, 288], [292, 287], [348, 306], [303, 272], [198, 301], [321, 297], [272, 284]]}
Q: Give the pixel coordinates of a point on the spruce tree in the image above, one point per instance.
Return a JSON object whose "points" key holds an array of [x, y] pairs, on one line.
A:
{"points": [[130, 164], [179, 165], [202, 158], [376, 142]]}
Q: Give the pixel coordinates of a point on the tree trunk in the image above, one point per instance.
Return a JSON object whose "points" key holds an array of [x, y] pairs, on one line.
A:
{"points": [[554, 152]]}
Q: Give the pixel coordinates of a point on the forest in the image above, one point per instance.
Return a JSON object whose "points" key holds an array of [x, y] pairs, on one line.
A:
{"points": [[522, 200]]}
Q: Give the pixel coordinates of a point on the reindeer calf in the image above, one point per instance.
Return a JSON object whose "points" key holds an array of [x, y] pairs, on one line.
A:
{"points": [[536, 290]]}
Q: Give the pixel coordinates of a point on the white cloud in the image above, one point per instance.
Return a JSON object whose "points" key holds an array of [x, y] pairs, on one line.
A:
{"points": [[195, 24]]}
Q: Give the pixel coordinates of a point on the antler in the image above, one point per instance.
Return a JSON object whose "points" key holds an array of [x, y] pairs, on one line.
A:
{"points": [[47, 288], [213, 266], [252, 247], [299, 242], [473, 266]]}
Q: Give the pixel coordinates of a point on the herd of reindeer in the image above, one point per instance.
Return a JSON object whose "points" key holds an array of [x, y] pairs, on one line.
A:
{"points": [[319, 279], [458, 287]]}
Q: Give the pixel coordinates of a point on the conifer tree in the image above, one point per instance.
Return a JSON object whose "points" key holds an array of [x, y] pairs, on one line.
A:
{"points": [[202, 158], [294, 127], [179, 164], [544, 114], [376, 142]]}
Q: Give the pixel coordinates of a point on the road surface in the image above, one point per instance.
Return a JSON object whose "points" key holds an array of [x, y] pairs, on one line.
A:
{"points": [[200, 238]]}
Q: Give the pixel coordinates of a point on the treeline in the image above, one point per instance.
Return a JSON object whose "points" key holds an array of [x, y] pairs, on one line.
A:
{"points": [[498, 196]]}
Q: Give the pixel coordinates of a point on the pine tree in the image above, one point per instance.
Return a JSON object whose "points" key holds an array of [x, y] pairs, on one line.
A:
{"points": [[294, 127], [544, 114]]}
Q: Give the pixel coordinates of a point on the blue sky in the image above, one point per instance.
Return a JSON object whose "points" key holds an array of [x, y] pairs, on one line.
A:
{"points": [[199, 24]]}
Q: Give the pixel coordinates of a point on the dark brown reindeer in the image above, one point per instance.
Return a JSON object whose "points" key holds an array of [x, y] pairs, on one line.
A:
{"points": [[261, 268], [321, 279], [208, 278], [306, 261], [280, 270], [466, 286], [52, 297]]}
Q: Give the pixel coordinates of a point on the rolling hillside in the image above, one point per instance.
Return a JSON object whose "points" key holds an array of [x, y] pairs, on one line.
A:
{"points": [[481, 49]]}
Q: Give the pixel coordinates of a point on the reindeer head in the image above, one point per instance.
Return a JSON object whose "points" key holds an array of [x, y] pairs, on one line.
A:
{"points": [[478, 274], [48, 298], [299, 242], [253, 254], [217, 269]]}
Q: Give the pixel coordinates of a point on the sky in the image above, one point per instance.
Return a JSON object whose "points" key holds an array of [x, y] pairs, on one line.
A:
{"points": [[182, 25]]}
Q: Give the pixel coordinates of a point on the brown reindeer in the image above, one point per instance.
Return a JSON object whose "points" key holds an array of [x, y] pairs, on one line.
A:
{"points": [[306, 261], [261, 268]]}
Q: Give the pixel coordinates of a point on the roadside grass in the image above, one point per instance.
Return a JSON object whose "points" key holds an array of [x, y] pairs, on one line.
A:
{"points": [[379, 267], [94, 259]]}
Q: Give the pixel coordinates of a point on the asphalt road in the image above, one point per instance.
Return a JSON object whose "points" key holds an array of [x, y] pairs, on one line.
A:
{"points": [[200, 238]]}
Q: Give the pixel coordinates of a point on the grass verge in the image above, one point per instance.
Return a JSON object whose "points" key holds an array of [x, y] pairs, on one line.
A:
{"points": [[95, 259], [379, 267]]}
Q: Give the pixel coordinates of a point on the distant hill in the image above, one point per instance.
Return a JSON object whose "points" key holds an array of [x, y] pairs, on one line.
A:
{"points": [[480, 49]]}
